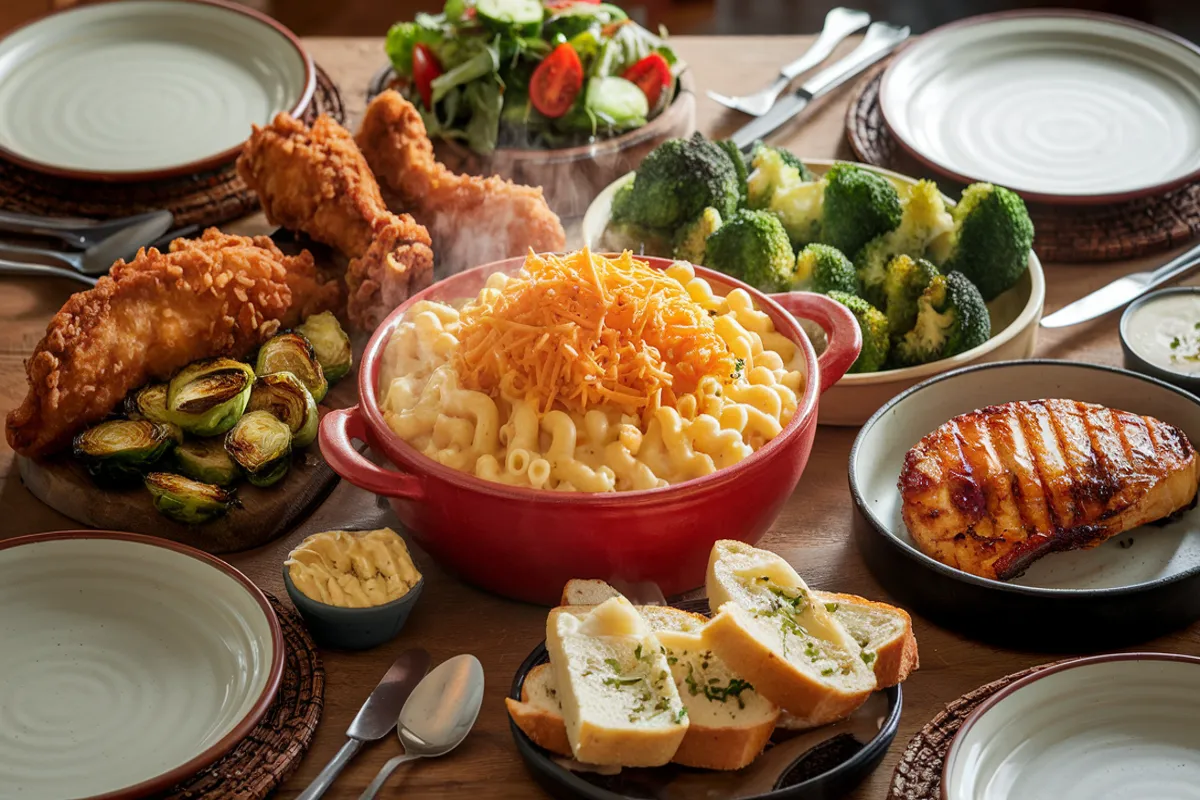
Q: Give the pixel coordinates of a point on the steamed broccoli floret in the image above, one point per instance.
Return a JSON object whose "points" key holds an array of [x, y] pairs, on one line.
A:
{"points": [[752, 246], [951, 319], [678, 180], [741, 165], [778, 186], [825, 269], [903, 285], [990, 241], [789, 158], [874, 326], [923, 220], [691, 238], [859, 205]]}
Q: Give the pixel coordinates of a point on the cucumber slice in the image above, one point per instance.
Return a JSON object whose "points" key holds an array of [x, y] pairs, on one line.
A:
{"points": [[511, 12], [617, 99]]}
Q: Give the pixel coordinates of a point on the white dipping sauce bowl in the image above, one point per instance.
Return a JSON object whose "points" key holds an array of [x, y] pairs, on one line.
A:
{"points": [[1113, 727]]}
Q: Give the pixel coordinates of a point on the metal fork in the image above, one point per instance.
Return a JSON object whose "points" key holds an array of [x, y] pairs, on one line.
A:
{"points": [[96, 260], [78, 233], [839, 23]]}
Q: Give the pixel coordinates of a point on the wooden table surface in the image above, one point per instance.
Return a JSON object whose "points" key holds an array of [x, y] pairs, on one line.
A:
{"points": [[813, 532]]}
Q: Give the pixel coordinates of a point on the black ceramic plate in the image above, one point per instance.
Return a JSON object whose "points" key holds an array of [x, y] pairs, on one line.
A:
{"points": [[823, 764], [1131, 588]]}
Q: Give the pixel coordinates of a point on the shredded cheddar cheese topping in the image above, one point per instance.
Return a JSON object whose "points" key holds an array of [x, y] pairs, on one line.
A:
{"points": [[583, 330]]}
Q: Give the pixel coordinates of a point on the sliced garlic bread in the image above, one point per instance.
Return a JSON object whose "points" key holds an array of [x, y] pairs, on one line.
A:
{"points": [[770, 629], [884, 632], [729, 723], [619, 703]]}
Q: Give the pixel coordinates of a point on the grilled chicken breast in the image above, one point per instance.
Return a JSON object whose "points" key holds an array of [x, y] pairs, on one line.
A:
{"points": [[991, 491]]}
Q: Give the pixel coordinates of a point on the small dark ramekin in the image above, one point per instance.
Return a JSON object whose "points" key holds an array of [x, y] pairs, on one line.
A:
{"points": [[1134, 361], [352, 628]]}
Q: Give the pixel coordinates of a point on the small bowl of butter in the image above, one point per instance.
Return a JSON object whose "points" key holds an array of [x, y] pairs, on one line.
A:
{"points": [[1160, 336], [355, 589]]}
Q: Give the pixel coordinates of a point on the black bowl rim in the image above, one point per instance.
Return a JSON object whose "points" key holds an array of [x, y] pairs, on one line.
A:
{"points": [[986, 583], [1143, 365], [531, 753]]}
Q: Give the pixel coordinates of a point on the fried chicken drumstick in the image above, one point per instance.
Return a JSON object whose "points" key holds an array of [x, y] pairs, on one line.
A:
{"points": [[316, 181], [472, 220], [218, 295]]}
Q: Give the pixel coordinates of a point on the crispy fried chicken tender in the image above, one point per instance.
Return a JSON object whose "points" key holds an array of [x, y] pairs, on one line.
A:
{"points": [[472, 220], [218, 295], [315, 180]]}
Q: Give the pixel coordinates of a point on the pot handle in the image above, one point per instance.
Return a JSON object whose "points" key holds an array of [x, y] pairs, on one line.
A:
{"points": [[840, 326], [339, 429]]}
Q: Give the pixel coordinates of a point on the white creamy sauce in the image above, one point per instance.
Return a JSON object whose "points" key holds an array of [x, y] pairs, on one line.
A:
{"points": [[1166, 332]]}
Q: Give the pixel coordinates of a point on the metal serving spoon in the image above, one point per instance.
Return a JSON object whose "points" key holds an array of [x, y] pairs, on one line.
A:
{"points": [[78, 233], [437, 716]]}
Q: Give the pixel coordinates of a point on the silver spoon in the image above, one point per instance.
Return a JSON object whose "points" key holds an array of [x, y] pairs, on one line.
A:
{"points": [[437, 716], [78, 233]]}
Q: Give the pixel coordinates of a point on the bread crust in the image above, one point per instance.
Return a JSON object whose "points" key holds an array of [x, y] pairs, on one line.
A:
{"points": [[544, 728], [773, 677], [897, 659]]}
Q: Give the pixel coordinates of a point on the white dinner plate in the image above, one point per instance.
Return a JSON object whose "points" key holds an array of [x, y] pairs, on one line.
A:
{"points": [[144, 89], [1060, 106], [1103, 728], [126, 664]]}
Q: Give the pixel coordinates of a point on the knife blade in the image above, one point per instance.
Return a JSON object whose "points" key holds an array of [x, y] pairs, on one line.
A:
{"points": [[1122, 290], [881, 38], [376, 718]]}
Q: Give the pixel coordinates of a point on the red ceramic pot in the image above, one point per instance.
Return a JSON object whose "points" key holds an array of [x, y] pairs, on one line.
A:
{"points": [[524, 543]]}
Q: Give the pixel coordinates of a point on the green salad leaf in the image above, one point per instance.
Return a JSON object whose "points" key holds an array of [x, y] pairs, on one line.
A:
{"points": [[487, 52]]}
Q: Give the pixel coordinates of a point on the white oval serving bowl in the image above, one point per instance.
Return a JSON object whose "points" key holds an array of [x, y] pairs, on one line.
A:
{"points": [[145, 89], [853, 399], [1035, 100], [128, 663], [1113, 727]]}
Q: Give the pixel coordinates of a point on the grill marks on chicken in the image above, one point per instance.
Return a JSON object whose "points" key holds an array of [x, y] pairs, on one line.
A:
{"points": [[991, 491]]}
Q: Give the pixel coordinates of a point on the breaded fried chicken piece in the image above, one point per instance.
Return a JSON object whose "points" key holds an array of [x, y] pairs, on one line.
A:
{"points": [[472, 220], [315, 180], [218, 295], [394, 267]]}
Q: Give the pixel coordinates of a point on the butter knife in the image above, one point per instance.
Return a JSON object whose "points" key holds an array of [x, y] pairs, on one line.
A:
{"points": [[881, 38], [1123, 290], [376, 718]]}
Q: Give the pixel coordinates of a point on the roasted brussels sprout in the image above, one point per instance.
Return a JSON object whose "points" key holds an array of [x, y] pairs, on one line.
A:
{"points": [[293, 352], [282, 394], [118, 451], [205, 460], [261, 444], [149, 402], [330, 343], [207, 397], [187, 501]]}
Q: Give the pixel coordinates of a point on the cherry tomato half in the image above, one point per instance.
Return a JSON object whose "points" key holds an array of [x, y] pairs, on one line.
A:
{"points": [[558, 5], [556, 82], [425, 69], [652, 74]]}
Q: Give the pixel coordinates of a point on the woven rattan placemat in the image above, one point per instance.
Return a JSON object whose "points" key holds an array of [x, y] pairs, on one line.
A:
{"points": [[1064, 233], [206, 198], [262, 761], [918, 776]]}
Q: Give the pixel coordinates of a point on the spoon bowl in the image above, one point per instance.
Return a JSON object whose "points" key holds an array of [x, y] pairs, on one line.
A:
{"points": [[437, 716]]}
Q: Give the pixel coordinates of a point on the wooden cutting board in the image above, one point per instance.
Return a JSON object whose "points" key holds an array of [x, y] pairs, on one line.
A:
{"points": [[265, 514]]}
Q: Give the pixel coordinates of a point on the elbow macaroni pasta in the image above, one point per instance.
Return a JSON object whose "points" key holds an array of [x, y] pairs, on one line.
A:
{"points": [[506, 439]]}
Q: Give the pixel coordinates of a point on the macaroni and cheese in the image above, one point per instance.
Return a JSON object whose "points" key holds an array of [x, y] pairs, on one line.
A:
{"points": [[583, 373]]}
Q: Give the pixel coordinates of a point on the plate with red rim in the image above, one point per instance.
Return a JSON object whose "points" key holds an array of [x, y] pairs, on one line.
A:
{"points": [[145, 89], [130, 663], [1037, 100]]}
